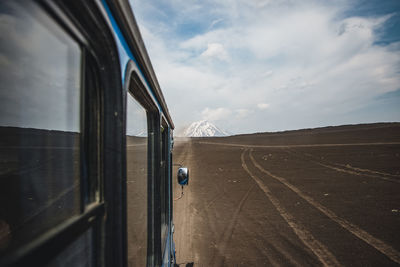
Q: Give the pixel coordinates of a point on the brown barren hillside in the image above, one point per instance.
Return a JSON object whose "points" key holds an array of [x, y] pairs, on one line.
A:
{"points": [[361, 133]]}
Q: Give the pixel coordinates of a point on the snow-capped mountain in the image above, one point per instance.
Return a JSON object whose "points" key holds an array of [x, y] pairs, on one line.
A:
{"points": [[203, 129]]}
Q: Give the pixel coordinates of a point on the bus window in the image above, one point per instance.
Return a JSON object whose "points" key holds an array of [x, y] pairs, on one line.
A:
{"points": [[164, 186], [137, 178], [40, 99], [78, 253]]}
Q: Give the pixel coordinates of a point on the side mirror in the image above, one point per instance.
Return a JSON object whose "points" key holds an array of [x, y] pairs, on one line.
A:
{"points": [[183, 176]]}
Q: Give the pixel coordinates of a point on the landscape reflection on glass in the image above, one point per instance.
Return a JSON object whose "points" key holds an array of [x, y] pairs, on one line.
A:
{"points": [[136, 142], [39, 123], [79, 253]]}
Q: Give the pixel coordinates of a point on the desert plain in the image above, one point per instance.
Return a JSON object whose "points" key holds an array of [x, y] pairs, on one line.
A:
{"points": [[316, 197]]}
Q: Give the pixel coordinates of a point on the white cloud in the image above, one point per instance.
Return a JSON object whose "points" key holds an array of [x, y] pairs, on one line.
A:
{"points": [[216, 114], [263, 106], [267, 73], [242, 113], [215, 22], [305, 58], [215, 50]]}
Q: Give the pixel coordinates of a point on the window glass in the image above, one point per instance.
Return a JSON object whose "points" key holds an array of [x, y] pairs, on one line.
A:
{"points": [[164, 186], [39, 123], [136, 141], [79, 253], [90, 159]]}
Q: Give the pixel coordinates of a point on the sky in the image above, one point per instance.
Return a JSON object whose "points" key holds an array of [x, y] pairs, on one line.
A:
{"points": [[40, 70], [273, 65]]}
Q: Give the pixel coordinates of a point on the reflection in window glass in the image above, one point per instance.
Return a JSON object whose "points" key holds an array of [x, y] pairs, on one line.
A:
{"points": [[78, 253], [136, 141], [164, 186], [39, 123]]}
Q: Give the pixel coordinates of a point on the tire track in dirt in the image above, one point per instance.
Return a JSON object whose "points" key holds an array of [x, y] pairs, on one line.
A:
{"points": [[367, 170], [380, 175], [186, 215], [322, 253], [227, 234], [183, 218], [374, 242], [294, 146], [350, 170], [209, 215], [182, 156], [355, 172], [273, 250]]}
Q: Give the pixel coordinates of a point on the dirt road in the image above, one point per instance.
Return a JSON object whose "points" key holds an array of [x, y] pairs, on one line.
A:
{"points": [[307, 205]]}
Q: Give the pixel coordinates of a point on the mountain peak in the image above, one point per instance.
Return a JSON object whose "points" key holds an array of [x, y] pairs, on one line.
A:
{"points": [[203, 128]]}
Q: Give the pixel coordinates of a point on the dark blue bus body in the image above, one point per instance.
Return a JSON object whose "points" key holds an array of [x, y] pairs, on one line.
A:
{"points": [[86, 139]]}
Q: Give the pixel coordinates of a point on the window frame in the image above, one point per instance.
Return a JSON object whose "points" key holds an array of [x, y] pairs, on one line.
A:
{"points": [[144, 102], [88, 23], [165, 163], [137, 86], [84, 22]]}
